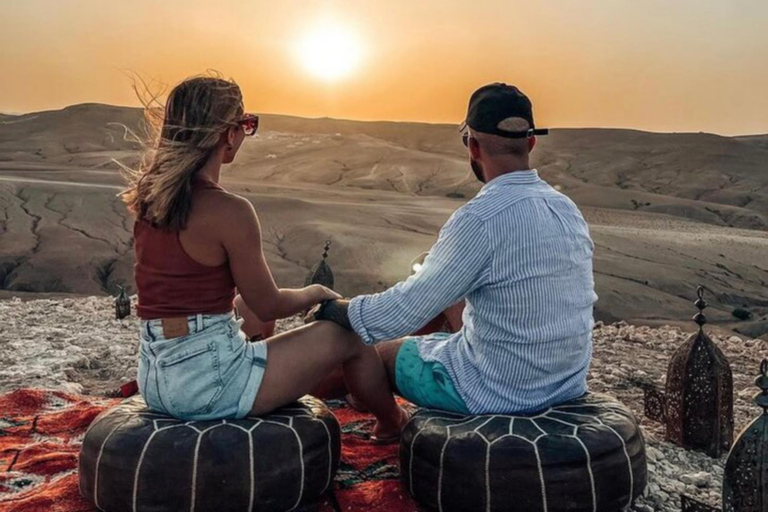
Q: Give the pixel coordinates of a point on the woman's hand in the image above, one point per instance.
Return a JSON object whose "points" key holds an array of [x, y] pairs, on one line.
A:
{"points": [[320, 293]]}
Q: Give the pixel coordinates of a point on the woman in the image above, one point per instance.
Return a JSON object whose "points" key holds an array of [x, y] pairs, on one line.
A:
{"points": [[195, 244]]}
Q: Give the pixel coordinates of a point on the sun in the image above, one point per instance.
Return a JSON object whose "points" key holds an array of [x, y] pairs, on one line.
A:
{"points": [[329, 52]]}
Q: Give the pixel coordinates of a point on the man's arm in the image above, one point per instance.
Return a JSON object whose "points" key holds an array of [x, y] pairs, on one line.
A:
{"points": [[457, 264]]}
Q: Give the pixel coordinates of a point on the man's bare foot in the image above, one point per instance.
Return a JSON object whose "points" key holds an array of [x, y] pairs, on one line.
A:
{"points": [[390, 434]]}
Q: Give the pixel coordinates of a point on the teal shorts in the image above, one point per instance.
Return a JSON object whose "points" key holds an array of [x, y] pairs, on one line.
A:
{"points": [[426, 384]]}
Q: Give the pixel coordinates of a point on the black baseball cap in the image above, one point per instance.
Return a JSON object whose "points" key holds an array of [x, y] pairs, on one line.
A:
{"points": [[492, 104]]}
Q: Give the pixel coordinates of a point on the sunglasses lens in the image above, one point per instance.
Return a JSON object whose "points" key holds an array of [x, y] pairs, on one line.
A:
{"points": [[250, 125], [465, 139]]}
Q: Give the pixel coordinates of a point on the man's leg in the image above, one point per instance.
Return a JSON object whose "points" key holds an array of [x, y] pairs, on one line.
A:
{"points": [[298, 360], [333, 386], [424, 383], [428, 384], [453, 316], [388, 352]]}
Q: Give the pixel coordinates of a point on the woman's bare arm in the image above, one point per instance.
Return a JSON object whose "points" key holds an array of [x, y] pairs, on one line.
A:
{"points": [[241, 238]]}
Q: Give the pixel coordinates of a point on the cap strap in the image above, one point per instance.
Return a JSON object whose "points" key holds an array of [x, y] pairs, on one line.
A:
{"points": [[526, 134]]}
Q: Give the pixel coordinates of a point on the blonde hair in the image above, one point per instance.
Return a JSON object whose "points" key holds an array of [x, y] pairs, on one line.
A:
{"points": [[183, 135]]}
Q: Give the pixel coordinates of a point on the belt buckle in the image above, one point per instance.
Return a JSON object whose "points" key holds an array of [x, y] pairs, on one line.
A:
{"points": [[175, 327]]}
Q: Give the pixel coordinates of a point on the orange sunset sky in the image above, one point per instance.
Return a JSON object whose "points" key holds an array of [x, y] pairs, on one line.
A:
{"points": [[673, 65]]}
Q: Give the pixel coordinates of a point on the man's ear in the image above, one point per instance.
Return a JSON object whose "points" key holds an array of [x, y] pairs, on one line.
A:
{"points": [[474, 148], [531, 143]]}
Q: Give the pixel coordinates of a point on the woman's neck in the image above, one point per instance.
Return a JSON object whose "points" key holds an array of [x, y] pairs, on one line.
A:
{"points": [[211, 170]]}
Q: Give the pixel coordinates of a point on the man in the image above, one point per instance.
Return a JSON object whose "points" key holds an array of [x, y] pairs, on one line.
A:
{"points": [[520, 254]]}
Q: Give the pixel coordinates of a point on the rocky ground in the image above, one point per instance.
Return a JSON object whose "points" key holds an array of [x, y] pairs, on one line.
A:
{"points": [[78, 346]]}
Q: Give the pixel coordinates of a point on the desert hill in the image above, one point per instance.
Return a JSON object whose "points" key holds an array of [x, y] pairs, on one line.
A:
{"points": [[760, 141], [714, 179], [667, 211]]}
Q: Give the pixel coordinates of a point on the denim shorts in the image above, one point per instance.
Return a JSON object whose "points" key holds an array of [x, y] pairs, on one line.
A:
{"points": [[426, 384], [211, 373]]}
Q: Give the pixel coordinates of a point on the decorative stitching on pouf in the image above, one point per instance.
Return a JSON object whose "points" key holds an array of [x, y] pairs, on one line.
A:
{"points": [[600, 427], [318, 449]]}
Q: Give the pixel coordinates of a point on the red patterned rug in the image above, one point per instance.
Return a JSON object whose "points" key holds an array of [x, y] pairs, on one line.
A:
{"points": [[41, 432]]}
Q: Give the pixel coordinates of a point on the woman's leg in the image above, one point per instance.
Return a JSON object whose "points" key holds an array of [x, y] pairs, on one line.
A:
{"points": [[253, 327], [299, 360], [334, 386]]}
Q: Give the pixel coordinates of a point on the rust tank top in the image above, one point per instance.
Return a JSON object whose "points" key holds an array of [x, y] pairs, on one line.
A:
{"points": [[172, 284]]}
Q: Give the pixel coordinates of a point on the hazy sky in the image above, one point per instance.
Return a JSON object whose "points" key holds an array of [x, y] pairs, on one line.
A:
{"points": [[664, 65]]}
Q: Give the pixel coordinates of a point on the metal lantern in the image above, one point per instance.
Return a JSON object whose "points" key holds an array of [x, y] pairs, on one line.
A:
{"points": [[745, 481], [321, 273], [122, 304], [697, 404]]}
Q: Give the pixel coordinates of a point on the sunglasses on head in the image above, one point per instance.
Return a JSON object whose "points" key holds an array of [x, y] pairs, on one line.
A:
{"points": [[250, 124]]}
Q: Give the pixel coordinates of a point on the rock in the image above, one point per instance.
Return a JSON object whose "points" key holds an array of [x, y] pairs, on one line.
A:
{"points": [[746, 393], [72, 387], [700, 479], [654, 454]]}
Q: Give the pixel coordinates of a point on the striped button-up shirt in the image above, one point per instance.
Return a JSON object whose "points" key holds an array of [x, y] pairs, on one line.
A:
{"points": [[520, 254]]}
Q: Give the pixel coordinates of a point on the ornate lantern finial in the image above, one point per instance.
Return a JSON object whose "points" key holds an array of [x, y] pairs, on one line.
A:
{"points": [[745, 481], [700, 303], [697, 404], [122, 304], [321, 273]]}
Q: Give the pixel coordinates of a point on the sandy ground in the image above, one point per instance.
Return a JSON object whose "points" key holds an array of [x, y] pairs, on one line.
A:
{"points": [[78, 346], [666, 211]]}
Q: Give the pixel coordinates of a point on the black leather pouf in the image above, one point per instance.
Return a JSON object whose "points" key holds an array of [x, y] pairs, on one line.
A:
{"points": [[584, 455], [133, 459]]}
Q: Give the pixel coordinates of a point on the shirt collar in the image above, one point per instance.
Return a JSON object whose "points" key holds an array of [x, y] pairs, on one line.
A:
{"points": [[514, 178]]}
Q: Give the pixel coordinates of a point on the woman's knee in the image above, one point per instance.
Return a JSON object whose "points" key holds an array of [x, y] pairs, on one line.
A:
{"points": [[347, 343], [334, 335]]}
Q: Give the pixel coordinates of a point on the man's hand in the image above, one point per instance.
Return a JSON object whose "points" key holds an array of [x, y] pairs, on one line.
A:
{"points": [[331, 310], [417, 263]]}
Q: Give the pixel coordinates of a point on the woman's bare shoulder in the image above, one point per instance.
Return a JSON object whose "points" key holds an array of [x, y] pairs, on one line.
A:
{"points": [[225, 202], [222, 208]]}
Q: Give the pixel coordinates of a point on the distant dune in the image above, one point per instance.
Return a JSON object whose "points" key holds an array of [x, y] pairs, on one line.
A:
{"points": [[667, 211], [760, 141]]}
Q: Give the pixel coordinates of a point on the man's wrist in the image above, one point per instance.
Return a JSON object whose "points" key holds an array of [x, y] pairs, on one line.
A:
{"points": [[335, 311]]}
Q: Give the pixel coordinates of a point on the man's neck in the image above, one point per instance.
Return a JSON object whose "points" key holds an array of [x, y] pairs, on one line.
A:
{"points": [[507, 168]]}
